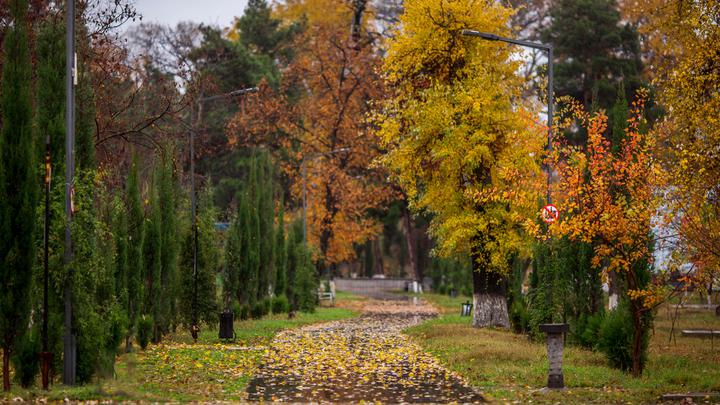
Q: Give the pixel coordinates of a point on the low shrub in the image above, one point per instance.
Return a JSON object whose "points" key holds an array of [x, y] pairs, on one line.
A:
{"points": [[26, 359], [144, 331], [616, 338], [280, 305]]}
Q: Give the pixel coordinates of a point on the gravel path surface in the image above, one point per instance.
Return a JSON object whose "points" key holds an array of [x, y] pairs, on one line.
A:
{"points": [[361, 359]]}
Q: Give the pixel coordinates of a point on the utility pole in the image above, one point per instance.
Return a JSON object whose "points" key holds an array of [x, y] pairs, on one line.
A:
{"points": [[69, 344], [543, 47]]}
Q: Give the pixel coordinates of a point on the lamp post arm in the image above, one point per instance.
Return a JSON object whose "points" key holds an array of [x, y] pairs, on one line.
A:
{"points": [[493, 37]]}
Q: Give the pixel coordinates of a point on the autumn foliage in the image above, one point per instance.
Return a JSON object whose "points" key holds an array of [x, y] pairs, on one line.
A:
{"points": [[608, 198], [317, 119]]}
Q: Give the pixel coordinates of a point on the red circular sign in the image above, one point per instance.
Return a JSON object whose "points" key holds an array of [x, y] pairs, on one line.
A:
{"points": [[550, 213]]}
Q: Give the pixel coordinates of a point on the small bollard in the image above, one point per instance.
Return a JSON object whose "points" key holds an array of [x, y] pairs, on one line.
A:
{"points": [[466, 309], [555, 342], [226, 325]]}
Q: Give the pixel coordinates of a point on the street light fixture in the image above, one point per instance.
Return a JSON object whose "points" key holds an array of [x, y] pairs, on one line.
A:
{"points": [[545, 48], [194, 127], [304, 174]]}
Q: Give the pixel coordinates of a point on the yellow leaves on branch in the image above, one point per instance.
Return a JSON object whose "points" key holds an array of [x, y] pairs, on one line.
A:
{"points": [[457, 141]]}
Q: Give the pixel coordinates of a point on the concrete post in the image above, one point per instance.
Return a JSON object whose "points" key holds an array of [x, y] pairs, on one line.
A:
{"points": [[555, 342]]}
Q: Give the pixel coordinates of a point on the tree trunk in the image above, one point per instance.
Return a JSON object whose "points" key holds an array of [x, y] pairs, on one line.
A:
{"points": [[378, 267], [6, 369], [489, 301], [410, 239]]}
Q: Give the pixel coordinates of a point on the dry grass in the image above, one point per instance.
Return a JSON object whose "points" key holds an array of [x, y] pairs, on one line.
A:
{"points": [[509, 367]]}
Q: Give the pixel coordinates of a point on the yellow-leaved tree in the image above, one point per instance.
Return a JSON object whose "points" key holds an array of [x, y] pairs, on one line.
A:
{"points": [[459, 142]]}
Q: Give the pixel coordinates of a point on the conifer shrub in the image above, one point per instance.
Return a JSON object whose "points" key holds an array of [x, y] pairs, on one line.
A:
{"points": [[616, 338], [280, 304], [519, 316], [144, 330], [26, 359], [587, 330]]}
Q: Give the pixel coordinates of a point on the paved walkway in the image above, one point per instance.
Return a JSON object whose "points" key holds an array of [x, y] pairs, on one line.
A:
{"points": [[361, 359]]}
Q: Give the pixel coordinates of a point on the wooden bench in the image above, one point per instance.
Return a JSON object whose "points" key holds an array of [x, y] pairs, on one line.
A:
{"points": [[701, 333], [326, 296]]}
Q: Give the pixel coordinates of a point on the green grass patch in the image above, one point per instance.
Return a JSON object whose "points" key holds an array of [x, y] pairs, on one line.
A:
{"points": [[177, 370], [509, 367]]}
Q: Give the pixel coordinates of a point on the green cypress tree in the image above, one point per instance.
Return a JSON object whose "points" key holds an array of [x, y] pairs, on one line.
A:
{"points": [[85, 113], [280, 252], [19, 185], [120, 233], [152, 261], [168, 244], [266, 219], [136, 228], [198, 302], [233, 262], [252, 235], [291, 290], [51, 92]]}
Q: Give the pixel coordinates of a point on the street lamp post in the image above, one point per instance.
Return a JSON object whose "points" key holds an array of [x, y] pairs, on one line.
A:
{"points": [[69, 344], [535, 45], [304, 174], [195, 125]]}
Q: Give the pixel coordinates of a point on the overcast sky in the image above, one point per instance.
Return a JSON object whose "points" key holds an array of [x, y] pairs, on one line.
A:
{"points": [[170, 12]]}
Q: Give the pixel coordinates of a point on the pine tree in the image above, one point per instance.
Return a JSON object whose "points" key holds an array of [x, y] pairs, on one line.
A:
{"points": [[594, 51], [136, 228], [19, 185]]}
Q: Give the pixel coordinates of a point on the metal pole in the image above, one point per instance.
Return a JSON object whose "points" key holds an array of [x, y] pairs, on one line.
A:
{"points": [[550, 119], [304, 197], [69, 366]]}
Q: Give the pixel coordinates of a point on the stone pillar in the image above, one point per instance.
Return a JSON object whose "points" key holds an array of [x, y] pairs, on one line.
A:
{"points": [[555, 342]]}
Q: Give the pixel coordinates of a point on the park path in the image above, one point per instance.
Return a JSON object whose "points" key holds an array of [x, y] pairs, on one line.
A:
{"points": [[360, 359]]}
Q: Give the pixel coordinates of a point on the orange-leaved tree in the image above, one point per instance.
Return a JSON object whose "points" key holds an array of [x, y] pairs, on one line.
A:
{"points": [[682, 42], [460, 143], [609, 198], [317, 122]]}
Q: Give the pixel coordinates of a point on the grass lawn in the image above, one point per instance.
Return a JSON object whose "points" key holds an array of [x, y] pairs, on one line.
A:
{"points": [[509, 367], [178, 370]]}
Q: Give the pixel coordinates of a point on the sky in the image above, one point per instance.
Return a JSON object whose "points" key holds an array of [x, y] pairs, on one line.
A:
{"points": [[170, 12]]}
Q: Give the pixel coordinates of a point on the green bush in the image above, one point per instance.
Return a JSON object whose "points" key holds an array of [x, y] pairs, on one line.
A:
{"points": [[587, 330], [26, 359], [519, 317], [260, 308], [616, 338], [280, 305], [144, 331]]}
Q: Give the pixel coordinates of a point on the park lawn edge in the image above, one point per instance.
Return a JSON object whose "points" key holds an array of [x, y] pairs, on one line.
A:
{"points": [[122, 387], [507, 366]]}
